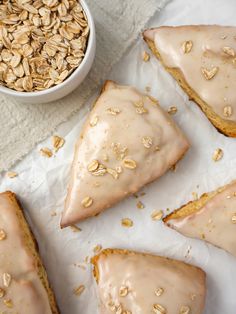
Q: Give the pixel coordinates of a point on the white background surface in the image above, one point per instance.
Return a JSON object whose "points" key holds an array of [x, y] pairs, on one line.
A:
{"points": [[41, 185]]}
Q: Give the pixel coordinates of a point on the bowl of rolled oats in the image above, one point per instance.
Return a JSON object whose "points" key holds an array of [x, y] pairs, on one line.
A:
{"points": [[47, 48]]}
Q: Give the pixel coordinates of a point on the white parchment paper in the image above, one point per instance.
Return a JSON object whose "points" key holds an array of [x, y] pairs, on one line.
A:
{"points": [[41, 185]]}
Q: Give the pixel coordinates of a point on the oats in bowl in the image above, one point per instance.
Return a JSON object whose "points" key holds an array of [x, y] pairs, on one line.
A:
{"points": [[41, 42]]}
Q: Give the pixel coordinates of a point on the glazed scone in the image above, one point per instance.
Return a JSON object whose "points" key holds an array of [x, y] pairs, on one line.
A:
{"points": [[127, 141], [202, 58], [211, 218], [24, 287], [137, 283]]}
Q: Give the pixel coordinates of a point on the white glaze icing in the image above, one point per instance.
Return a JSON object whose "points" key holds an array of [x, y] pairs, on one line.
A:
{"points": [[127, 128], [213, 222], [182, 284], [207, 52], [26, 291]]}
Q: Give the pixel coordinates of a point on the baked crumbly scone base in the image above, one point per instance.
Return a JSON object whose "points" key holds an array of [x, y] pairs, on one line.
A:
{"points": [[226, 127], [139, 132], [142, 283], [31, 245]]}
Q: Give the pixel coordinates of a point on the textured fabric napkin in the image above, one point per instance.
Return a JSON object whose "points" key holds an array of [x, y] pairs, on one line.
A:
{"points": [[118, 23]]}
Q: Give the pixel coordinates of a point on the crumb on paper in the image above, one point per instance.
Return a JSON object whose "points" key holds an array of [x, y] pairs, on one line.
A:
{"points": [[140, 205], [74, 228], [46, 152], [218, 154], [80, 265], [195, 196], [187, 254], [53, 213], [146, 56], [97, 249], [157, 215], [79, 290], [127, 222], [12, 174], [57, 142], [172, 110]]}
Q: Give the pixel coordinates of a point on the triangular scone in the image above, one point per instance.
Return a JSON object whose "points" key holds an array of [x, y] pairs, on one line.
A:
{"points": [[24, 285], [203, 61], [211, 218], [127, 142], [137, 283]]}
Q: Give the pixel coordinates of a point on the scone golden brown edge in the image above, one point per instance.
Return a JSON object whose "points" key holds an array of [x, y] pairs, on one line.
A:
{"points": [[113, 153], [211, 218], [129, 280], [30, 244], [223, 60]]}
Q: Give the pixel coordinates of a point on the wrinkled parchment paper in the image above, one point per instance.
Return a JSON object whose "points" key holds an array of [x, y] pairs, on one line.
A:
{"points": [[41, 185]]}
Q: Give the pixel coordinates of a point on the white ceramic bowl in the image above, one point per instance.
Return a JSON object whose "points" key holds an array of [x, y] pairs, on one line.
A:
{"points": [[70, 83]]}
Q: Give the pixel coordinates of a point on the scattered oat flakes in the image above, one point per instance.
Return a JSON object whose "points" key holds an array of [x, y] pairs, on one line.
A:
{"points": [[87, 201], [119, 151], [94, 121], [147, 141], [187, 46], [153, 99], [123, 292], [113, 173], [46, 152], [12, 174], [228, 111], [94, 164], [3, 235], [140, 205], [127, 222], [57, 142], [193, 296], [2, 292], [53, 213], [172, 110], [157, 215], [119, 169], [233, 219], [97, 249], [100, 171], [229, 51], [141, 110], [6, 278], [129, 163], [159, 309], [8, 303], [146, 56], [147, 89], [159, 292], [113, 111], [218, 154], [74, 228], [209, 73], [195, 196], [79, 290], [184, 309]]}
